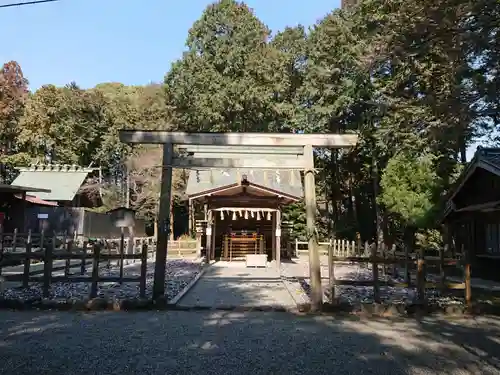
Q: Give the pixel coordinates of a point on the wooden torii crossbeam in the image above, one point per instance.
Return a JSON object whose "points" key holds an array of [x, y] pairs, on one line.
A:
{"points": [[237, 150], [239, 139]]}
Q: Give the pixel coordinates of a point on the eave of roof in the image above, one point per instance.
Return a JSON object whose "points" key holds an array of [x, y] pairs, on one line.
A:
{"points": [[484, 158], [283, 182], [36, 200], [249, 184], [16, 189]]}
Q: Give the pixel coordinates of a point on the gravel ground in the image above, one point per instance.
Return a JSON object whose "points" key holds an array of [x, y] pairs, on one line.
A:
{"points": [[235, 343], [226, 284], [178, 274], [297, 272]]}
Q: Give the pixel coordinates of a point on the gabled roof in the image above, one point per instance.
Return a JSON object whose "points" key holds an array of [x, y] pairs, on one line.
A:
{"points": [[63, 181], [286, 182], [484, 158]]}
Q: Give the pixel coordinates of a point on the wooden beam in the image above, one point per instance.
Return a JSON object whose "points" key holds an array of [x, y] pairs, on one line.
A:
{"points": [[189, 162], [284, 150], [163, 223], [246, 156], [239, 139]]}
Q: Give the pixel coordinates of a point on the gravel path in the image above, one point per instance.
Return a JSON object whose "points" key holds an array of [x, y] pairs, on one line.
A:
{"points": [[226, 284], [178, 274], [235, 343]]}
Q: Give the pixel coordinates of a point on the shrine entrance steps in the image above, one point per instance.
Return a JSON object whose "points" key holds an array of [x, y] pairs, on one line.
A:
{"points": [[230, 285]]}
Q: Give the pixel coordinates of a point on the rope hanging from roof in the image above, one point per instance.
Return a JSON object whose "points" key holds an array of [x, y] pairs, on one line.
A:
{"points": [[245, 213]]}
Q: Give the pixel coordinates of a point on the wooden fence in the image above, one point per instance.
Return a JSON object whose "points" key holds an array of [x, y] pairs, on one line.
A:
{"points": [[55, 254], [184, 248], [386, 261]]}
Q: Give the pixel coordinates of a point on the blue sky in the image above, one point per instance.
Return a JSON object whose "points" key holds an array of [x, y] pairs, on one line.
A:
{"points": [[128, 41]]}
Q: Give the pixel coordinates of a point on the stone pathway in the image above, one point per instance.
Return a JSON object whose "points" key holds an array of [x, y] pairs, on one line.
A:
{"points": [[227, 284]]}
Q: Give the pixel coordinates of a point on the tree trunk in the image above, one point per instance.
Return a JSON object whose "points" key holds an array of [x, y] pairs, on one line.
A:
{"points": [[334, 193], [463, 153], [409, 244], [376, 208]]}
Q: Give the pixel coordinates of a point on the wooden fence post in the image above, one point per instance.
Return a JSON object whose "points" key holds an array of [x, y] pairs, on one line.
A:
{"points": [[128, 248], [42, 239], [14, 241], [108, 247], [226, 247], [122, 250], [137, 248], [394, 258], [144, 269], [421, 276], [331, 273], [47, 267], [151, 249], [27, 261], [69, 249], [2, 249], [467, 279], [288, 248], [83, 264], [383, 251], [367, 254], [407, 266], [442, 274], [376, 283], [95, 270]]}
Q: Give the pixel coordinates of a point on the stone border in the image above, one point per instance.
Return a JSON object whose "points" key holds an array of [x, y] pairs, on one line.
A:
{"points": [[367, 310], [188, 287], [303, 299], [103, 304], [236, 308], [400, 310]]}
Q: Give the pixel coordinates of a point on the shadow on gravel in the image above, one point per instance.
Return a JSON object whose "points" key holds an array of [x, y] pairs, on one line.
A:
{"points": [[479, 337], [220, 342], [230, 342]]}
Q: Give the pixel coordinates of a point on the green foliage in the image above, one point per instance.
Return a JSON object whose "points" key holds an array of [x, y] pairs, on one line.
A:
{"points": [[429, 239], [335, 85], [409, 184], [231, 78], [65, 122], [416, 80], [295, 214], [13, 95]]}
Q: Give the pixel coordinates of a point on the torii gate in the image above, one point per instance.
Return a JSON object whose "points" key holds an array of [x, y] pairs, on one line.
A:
{"points": [[280, 158]]}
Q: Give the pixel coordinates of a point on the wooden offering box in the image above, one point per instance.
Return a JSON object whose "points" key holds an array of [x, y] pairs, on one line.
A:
{"points": [[238, 245]]}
